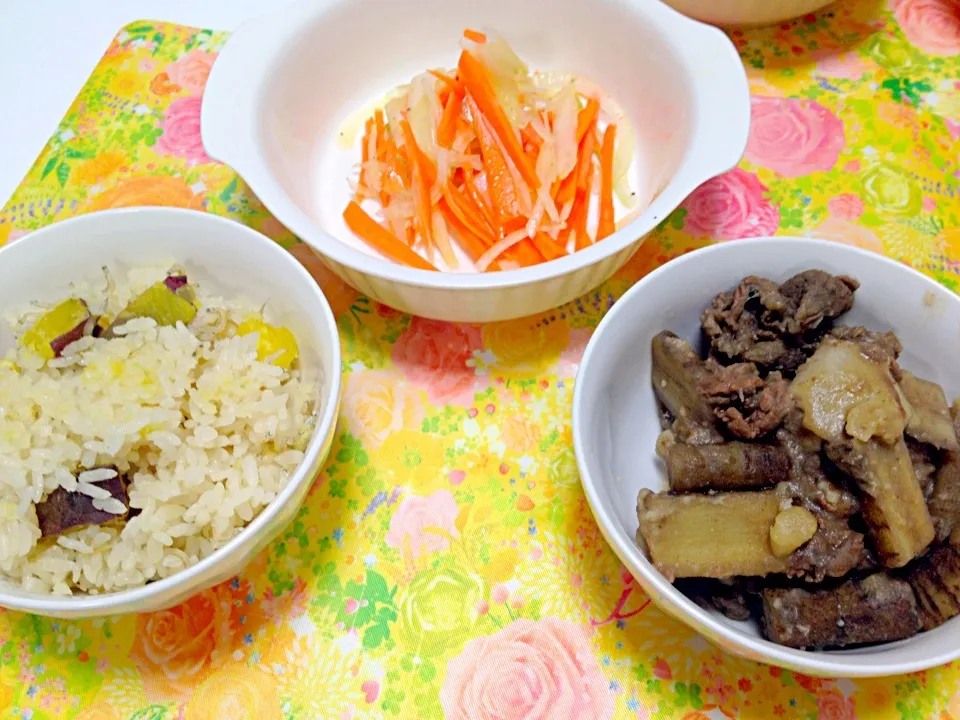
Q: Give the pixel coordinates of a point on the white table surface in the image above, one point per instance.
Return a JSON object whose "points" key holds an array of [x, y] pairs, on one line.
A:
{"points": [[48, 48]]}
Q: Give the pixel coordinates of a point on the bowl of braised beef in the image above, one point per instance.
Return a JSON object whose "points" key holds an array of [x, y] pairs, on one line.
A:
{"points": [[767, 435]]}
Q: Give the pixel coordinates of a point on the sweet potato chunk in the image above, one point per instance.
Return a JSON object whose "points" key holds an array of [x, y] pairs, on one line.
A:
{"points": [[731, 466], [710, 536], [930, 420], [876, 609], [893, 503]]}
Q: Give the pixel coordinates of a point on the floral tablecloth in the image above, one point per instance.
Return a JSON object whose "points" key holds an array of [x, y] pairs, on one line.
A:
{"points": [[446, 563]]}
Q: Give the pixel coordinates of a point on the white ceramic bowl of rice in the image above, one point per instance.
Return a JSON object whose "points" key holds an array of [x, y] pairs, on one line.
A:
{"points": [[217, 446]]}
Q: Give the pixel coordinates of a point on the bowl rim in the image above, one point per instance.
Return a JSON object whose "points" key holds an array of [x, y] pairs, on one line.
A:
{"points": [[710, 152], [104, 604], [822, 663]]}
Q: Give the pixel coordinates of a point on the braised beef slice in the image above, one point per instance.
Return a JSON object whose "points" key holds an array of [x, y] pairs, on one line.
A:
{"points": [[737, 599], [698, 393], [810, 481], [836, 549], [748, 405], [64, 510], [776, 326]]}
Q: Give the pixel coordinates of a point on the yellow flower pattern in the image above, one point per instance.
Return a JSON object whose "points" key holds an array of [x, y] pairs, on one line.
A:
{"points": [[449, 521]]}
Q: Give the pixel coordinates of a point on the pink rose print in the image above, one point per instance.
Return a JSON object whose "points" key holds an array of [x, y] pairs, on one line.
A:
{"points": [[433, 356], [415, 514], [377, 403], [793, 137], [190, 72], [569, 360], [847, 232], [843, 65], [834, 706], [931, 25], [845, 207], [181, 131], [528, 671], [730, 206]]}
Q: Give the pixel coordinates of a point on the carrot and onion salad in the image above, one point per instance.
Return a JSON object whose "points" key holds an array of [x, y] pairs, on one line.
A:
{"points": [[493, 159]]}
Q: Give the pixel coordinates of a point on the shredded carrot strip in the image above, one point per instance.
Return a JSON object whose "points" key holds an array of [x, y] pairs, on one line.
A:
{"points": [[606, 226], [365, 227], [474, 77], [475, 36], [499, 178], [587, 118], [580, 227], [423, 216], [444, 78], [531, 136], [458, 205], [547, 246], [447, 130], [469, 241], [482, 206]]}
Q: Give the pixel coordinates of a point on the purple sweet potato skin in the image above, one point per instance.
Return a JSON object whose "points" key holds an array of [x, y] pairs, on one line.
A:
{"points": [[64, 510]]}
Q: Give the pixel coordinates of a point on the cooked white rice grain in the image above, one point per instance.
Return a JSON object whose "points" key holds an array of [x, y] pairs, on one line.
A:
{"points": [[110, 505], [97, 493], [97, 475]]}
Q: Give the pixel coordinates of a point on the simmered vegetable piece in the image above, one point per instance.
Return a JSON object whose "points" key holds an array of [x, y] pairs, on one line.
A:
{"points": [[842, 392], [730, 466], [893, 504], [677, 372], [930, 420], [935, 580], [711, 536], [878, 608]]}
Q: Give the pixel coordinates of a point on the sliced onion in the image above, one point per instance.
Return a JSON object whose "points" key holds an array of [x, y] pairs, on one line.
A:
{"points": [[423, 113], [442, 238], [394, 110], [507, 72], [500, 247], [566, 111]]}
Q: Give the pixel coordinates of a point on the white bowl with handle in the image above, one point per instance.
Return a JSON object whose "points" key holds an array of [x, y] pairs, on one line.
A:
{"points": [[616, 420], [283, 85], [231, 261]]}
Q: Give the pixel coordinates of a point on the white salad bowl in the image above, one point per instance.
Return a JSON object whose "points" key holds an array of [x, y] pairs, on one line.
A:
{"points": [[279, 95], [616, 424], [229, 260]]}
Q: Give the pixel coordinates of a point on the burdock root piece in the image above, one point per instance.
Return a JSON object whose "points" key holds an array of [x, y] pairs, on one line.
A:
{"points": [[877, 609]]}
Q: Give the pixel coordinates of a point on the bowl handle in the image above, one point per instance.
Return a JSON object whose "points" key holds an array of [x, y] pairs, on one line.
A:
{"points": [[721, 100], [229, 97], [235, 89]]}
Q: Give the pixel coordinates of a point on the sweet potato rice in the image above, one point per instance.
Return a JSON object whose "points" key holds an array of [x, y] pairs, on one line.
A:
{"points": [[142, 426]]}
